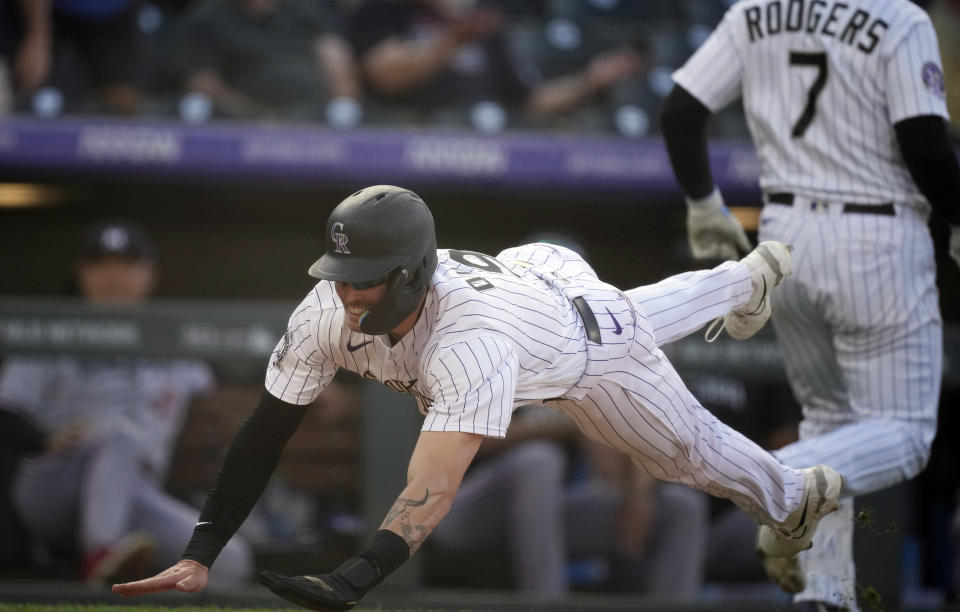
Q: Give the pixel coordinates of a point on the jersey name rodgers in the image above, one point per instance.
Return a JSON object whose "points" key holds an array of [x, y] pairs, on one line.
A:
{"points": [[823, 82], [492, 336]]}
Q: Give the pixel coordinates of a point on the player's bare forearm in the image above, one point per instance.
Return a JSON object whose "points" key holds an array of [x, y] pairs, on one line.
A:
{"points": [[414, 519], [436, 469]]}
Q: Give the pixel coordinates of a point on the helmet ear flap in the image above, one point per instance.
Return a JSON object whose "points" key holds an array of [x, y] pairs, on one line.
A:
{"points": [[400, 299]]}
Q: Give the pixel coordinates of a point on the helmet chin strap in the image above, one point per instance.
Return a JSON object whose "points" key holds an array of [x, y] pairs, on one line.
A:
{"points": [[397, 304]]}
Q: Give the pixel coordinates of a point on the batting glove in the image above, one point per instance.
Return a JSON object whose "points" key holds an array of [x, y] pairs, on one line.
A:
{"points": [[955, 244], [713, 232], [336, 590]]}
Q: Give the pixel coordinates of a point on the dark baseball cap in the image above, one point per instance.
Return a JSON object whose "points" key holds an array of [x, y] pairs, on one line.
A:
{"points": [[118, 238]]}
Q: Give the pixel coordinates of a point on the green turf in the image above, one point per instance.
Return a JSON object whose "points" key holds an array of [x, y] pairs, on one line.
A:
{"points": [[71, 607]]}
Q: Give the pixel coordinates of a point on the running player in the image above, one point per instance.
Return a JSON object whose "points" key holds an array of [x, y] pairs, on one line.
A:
{"points": [[471, 337], [845, 103]]}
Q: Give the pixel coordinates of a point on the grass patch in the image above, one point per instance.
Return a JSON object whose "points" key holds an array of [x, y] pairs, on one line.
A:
{"points": [[72, 607]]}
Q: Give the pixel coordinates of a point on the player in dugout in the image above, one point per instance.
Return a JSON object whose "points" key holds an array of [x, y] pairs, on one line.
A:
{"points": [[97, 434], [472, 337]]}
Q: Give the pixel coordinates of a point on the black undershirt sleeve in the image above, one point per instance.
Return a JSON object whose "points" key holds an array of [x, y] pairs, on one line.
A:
{"points": [[932, 163], [20, 434], [247, 467], [683, 122]]}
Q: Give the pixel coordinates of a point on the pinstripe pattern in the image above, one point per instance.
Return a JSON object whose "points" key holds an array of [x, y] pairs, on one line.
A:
{"points": [[639, 405], [858, 321], [861, 333], [496, 334], [682, 304], [849, 152], [471, 357]]}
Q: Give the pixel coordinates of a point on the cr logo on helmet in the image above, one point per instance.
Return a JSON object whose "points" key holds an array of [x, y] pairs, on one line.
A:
{"points": [[339, 239]]}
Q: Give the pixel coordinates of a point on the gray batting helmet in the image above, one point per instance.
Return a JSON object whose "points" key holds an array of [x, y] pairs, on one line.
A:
{"points": [[381, 234]]}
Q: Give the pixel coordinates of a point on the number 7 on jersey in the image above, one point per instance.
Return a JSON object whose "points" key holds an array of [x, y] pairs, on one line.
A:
{"points": [[818, 61]]}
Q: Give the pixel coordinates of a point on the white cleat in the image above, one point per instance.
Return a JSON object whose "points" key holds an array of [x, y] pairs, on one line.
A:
{"points": [[769, 264], [822, 487]]}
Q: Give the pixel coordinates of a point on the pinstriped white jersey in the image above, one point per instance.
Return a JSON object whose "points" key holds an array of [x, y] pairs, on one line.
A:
{"points": [[498, 333], [494, 334], [823, 82]]}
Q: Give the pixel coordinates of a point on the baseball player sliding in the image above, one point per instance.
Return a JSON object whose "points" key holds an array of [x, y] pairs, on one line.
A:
{"points": [[471, 337], [845, 103]]}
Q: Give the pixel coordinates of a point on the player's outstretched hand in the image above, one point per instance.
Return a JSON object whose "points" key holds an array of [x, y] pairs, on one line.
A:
{"points": [[187, 576], [955, 244], [714, 233]]}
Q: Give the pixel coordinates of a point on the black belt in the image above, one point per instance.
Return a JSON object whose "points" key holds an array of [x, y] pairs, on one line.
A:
{"points": [[849, 207], [590, 324]]}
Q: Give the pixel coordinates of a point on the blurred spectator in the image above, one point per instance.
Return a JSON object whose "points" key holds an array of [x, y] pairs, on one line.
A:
{"points": [[269, 58], [646, 536], [25, 48], [434, 54], [100, 433], [102, 33]]}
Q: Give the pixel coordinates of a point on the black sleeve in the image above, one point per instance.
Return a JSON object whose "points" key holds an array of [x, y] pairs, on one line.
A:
{"points": [[251, 460], [20, 434], [932, 163], [683, 122]]}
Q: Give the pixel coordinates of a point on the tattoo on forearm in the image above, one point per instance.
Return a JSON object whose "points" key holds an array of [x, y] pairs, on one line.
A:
{"points": [[400, 506], [414, 536], [413, 533]]}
